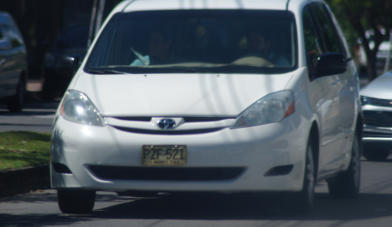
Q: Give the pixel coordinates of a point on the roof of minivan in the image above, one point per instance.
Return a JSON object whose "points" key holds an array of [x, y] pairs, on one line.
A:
{"points": [[136, 5]]}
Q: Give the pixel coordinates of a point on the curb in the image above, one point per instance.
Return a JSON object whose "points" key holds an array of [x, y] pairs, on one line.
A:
{"points": [[24, 180]]}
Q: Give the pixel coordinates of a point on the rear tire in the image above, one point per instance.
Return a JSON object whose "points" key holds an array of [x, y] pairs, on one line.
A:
{"points": [[347, 183], [75, 201]]}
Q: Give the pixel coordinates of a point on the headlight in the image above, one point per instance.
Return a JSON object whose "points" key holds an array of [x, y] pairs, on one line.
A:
{"points": [[269, 109], [365, 100], [77, 107]]}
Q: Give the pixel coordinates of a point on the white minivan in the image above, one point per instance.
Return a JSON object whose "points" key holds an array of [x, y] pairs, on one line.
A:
{"points": [[210, 96]]}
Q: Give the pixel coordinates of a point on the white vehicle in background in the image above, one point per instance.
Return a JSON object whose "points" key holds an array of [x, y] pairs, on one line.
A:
{"points": [[376, 98], [211, 96]]}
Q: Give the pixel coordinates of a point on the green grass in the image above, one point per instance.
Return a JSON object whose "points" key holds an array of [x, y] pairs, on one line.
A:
{"points": [[21, 149]]}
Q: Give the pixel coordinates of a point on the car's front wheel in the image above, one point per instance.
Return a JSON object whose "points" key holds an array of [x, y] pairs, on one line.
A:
{"points": [[303, 201], [347, 183], [75, 201], [306, 196]]}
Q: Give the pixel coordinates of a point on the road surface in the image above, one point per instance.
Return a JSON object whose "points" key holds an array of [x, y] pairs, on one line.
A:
{"points": [[373, 208]]}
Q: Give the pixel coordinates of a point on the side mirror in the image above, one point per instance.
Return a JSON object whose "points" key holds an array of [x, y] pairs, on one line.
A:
{"points": [[5, 44], [331, 63], [72, 62]]}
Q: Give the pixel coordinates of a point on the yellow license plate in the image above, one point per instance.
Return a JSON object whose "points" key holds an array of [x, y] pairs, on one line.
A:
{"points": [[164, 155]]}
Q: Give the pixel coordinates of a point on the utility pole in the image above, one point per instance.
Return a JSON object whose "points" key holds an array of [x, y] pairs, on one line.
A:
{"points": [[95, 20]]}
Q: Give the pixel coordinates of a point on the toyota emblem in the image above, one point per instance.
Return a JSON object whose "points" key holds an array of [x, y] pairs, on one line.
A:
{"points": [[166, 124]]}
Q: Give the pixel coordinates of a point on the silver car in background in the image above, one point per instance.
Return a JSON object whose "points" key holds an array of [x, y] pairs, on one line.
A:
{"points": [[376, 100]]}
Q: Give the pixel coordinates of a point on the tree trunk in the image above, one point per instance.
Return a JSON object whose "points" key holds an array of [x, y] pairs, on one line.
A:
{"points": [[371, 67]]}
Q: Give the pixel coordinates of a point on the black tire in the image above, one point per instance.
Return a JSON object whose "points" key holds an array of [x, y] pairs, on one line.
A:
{"points": [[303, 201], [75, 201], [376, 153], [306, 196], [347, 184], [16, 102]]}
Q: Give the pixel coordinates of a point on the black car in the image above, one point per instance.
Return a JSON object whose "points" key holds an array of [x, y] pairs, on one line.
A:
{"points": [[62, 59], [13, 64]]}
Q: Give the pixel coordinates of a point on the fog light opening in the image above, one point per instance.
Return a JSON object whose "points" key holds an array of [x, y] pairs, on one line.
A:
{"points": [[60, 168], [279, 170]]}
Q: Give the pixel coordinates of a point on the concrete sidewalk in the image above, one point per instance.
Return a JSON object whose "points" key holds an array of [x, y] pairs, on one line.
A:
{"points": [[24, 180]]}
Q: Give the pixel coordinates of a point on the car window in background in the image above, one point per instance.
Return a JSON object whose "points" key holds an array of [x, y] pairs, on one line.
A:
{"points": [[197, 40], [9, 29]]}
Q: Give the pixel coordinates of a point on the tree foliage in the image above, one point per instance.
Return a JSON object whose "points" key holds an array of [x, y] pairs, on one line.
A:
{"points": [[359, 16]]}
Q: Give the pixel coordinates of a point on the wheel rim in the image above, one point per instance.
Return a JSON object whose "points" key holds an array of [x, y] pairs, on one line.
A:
{"points": [[310, 174]]}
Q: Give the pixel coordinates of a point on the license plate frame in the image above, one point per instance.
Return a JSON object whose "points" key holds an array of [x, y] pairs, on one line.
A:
{"points": [[164, 155]]}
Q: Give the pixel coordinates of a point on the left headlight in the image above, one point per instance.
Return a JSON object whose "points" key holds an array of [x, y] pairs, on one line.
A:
{"points": [[269, 109], [77, 107]]}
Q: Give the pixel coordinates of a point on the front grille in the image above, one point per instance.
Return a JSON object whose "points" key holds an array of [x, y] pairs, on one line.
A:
{"points": [[168, 132], [376, 134], [188, 119], [378, 118], [166, 173], [378, 102]]}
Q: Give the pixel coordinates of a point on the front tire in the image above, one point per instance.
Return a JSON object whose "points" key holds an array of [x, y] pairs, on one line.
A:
{"points": [[75, 201], [306, 196], [16, 102], [303, 201], [347, 183]]}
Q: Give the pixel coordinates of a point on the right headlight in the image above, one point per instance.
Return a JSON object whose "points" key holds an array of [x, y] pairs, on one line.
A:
{"points": [[269, 109], [78, 108]]}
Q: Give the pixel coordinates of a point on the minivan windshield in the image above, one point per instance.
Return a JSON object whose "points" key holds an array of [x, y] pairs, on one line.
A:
{"points": [[216, 41]]}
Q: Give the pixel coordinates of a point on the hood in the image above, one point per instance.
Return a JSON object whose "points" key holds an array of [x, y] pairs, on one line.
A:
{"points": [[176, 94], [379, 88]]}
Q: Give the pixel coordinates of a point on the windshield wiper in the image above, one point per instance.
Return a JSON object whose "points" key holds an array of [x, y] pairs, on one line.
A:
{"points": [[104, 71]]}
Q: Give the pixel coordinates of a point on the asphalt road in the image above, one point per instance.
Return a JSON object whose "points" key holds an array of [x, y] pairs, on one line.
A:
{"points": [[372, 208], [36, 116]]}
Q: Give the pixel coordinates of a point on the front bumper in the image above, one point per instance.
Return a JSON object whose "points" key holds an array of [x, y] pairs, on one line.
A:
{"points": [[227, 160], [377, 126]]}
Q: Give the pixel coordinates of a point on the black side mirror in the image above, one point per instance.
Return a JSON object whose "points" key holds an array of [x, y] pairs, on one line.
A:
{"points": [[72, 62], [331, 63]]}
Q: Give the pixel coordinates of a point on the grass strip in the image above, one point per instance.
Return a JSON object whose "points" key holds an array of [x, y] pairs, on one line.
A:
{"points": [[20, 149]]}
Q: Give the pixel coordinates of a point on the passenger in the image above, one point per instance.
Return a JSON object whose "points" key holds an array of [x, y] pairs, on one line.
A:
{"points": [[259, 44], [159, 47]]}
